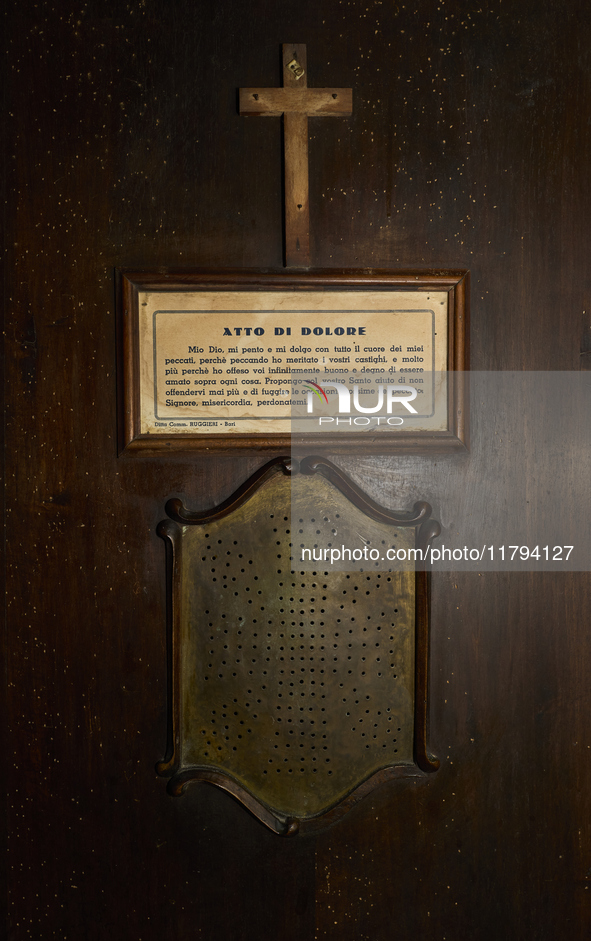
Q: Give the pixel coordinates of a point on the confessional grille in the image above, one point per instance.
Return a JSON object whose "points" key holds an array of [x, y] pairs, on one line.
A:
{"points": [[296, 684]]}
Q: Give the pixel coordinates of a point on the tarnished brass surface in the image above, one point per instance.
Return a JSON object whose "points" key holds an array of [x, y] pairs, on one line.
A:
{"points": [[298, 686]]}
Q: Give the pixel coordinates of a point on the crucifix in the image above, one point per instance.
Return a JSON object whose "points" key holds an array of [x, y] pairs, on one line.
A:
{"points": [[296, 102]]}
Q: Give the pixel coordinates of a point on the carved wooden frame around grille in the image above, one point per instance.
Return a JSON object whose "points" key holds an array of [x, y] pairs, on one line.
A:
{"points": [[299, 749]]}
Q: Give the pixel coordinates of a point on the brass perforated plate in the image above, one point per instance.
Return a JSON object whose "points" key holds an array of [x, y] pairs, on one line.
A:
{"points": [[297, 686]]}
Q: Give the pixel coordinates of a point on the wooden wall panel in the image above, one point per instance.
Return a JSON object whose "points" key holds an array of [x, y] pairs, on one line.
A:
{"points": [[466, 149]]}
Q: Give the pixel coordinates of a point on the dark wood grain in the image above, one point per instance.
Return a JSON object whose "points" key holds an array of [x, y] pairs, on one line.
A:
{"points": [[182, 514], [467, 150], [420, 512]]}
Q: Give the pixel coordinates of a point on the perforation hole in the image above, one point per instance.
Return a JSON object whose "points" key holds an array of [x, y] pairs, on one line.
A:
{"points": [[322, 686]]}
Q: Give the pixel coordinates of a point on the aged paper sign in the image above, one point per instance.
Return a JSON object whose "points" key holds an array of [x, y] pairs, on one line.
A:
{"points": [[223, 362]]}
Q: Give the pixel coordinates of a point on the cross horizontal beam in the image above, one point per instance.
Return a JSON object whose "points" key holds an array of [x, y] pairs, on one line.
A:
{"points": [[273, 102]]}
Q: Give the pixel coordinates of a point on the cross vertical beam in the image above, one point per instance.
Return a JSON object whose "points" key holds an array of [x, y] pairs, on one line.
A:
{"points": [[295, 160], [296, 102]]}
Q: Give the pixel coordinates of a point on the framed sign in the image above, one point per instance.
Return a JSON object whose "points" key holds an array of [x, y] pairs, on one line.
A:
{"points": [[347, 360]]}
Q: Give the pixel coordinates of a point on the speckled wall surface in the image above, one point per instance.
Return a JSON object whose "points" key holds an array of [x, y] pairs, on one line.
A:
{"points": [[467, 148]]}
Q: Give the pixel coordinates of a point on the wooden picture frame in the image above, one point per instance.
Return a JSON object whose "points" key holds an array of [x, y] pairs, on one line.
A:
{"points": [[353, 293]]}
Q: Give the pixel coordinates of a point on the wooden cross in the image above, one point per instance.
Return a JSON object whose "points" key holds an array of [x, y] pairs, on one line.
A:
{"points": [[296, 102]]}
